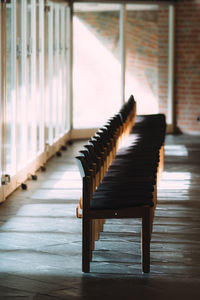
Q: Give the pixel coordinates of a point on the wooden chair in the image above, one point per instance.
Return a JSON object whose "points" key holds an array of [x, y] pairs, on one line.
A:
{"points": [[92, 212]]}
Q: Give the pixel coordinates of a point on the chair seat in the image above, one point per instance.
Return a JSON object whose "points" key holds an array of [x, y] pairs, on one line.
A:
{"points": [[117, 201]]}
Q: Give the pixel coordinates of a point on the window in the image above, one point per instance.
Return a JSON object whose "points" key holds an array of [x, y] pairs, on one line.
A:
{"points": [[31, 79], [48, 73], [39, 91], [120, 54], [97, 68], [57, 97], [34, 87], [21, 85]]}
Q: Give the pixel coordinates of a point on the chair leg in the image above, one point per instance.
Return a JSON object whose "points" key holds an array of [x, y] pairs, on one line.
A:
{"points": [[86, 244], [155, 195], [97, 231], [102, 224], [152, 209], [146, 234], [93, 222]]}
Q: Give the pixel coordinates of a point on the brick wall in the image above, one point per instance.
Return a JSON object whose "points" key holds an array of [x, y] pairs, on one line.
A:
{"points": [[187, 71], [142, 59]]}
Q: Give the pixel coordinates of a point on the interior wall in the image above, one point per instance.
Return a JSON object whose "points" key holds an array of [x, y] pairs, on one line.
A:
{"points": [[187, 66]]}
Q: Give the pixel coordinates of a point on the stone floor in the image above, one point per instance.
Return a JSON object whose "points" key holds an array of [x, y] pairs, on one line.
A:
{"points": [[40, 237]]}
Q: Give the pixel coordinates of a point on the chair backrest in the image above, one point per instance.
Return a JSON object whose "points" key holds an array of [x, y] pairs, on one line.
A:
{"points": [[83, 166], [96, 156]]}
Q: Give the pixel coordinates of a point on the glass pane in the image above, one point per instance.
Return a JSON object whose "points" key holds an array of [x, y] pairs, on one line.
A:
{"points": [[55, 71], [97, 69], [60, 74], [30, 81], [0, 94], [63, 66], [146, 57], [21, 113], [8, 85], [39, 76], [48, 74], [10, 93], [66, 71]]}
